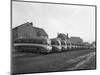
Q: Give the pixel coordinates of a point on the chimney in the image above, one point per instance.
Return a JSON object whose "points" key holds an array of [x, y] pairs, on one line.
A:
{"points": [[67, 36]]}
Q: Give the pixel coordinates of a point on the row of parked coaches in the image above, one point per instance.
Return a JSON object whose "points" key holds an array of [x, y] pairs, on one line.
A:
{"points": [[45, 45]]}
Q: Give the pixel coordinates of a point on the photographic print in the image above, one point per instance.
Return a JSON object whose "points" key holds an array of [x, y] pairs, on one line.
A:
{"points": [[52, 37]]}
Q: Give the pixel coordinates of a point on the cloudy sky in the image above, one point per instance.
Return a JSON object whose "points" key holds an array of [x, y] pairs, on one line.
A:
{"points": [[55, 18]]}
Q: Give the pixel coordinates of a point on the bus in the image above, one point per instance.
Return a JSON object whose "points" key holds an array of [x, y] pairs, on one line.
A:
{"points": [[39, 45]]}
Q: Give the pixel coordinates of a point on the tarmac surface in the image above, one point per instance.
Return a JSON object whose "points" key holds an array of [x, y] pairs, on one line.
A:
{"points": [[64, 61]]}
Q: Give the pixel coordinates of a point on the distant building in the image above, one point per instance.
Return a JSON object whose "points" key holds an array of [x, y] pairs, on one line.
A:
{"points": [[76, 40], [27, 30], [63, 36], [73, 40]]}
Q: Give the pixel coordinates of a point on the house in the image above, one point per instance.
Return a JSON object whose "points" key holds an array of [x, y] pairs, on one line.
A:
{"points": [[76, 40], [27, 30]]}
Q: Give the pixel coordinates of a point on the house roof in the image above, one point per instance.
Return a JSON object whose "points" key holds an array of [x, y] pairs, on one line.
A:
{"points": [[39, 31], [27, 23]]}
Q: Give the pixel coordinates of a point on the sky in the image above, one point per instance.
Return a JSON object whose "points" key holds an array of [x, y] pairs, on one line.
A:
{"points": [[78, 21]]}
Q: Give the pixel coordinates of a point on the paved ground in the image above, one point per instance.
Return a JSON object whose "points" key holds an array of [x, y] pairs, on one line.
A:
{"points": [[70, 60]]}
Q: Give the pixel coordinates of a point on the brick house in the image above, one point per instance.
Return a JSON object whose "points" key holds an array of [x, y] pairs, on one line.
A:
{"points": [[27, 30]]}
